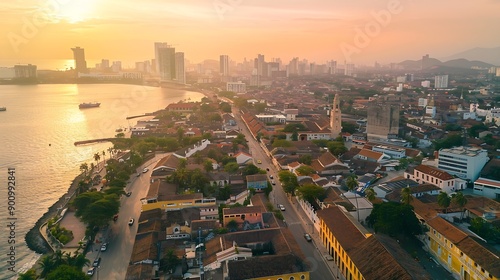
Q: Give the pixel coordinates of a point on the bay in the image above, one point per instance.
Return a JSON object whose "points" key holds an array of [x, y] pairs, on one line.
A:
{"points": [[37, 135]]}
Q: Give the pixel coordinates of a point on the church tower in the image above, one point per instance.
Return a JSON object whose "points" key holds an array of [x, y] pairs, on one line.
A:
{"points": [[335, 118]]}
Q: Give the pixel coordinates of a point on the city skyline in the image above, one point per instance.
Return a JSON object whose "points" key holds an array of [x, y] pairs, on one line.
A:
{"points": [[383, 31]]}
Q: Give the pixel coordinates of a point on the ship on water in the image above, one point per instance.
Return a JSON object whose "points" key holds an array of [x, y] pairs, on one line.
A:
{"points": [[89, 105]]}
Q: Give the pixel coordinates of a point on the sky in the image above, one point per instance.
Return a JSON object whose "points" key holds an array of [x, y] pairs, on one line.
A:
{"points": [[359, 31]]}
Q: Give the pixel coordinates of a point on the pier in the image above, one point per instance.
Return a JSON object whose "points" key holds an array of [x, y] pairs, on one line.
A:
{"points": [[140, 116], [93, 141]]}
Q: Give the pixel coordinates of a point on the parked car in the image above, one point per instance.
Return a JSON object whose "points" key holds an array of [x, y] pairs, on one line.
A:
{"points": [[308, 237], [96, 262], [281, 207], [267, 169], [131, 221], [91, 271], [138, 174], [104, 247], [128, 194], [145, 170], [273, 182], [259, 161], [271, 177]]}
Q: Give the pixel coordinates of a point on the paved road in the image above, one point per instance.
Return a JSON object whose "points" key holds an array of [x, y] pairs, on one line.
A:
{"points": [[119, 235], [295, 218]]}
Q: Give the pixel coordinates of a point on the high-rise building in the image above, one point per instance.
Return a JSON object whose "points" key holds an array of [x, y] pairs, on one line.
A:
{"points": [[425, 84], [180, 72], [425, 62], [116, 66], [224, 65], [441, 81], [430, 109], [349, 69], [25, 71], [79, 57], [383, 121], [335, 118], [165, 61], [332, 67]]}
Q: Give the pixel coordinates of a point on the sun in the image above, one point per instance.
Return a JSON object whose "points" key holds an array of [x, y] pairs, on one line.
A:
{"points": [[75, 11]]}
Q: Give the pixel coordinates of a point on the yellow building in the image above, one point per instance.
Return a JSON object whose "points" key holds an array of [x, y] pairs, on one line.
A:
{"points": [[465, 256], [164, 196], [361, 255]]}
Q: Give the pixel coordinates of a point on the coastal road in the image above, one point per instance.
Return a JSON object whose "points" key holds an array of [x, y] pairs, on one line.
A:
{"points": [[295, 218], [119, 235]]}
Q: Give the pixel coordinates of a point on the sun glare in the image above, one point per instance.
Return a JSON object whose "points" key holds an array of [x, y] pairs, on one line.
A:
{"points": [[76, 11]]}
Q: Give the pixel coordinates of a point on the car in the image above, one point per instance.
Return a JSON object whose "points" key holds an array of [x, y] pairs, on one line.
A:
{"points": [[138, 175], [281, 207], [96, 262], [145, 170], [128, 194], [308, 237], [267, 169], [131, 221], [271, 177], [273, 182], [259, 161], [91, 271], [115, 217], [104, 247]]}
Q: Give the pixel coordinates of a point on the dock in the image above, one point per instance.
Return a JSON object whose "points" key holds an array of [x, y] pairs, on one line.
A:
{"points": [[140, 116], [93, 141]]}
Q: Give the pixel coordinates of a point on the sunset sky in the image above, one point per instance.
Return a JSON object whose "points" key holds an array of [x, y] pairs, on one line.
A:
{"points": [[317, 30]]}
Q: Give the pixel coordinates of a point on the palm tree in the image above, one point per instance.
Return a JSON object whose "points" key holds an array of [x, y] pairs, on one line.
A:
{"points": [[84, 168], [444, 200], [110, 151], [352, 184], [370, 194], [406, 196], [47, 264], [103, 156], [97, 157], [460, 200]]}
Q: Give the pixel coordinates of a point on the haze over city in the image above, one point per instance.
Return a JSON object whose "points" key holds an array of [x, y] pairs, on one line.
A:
{"points": [[317, 30]]}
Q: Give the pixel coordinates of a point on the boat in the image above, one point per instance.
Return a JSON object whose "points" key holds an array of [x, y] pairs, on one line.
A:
{"points": [[89, 105], [119, 129], [3, 109]]}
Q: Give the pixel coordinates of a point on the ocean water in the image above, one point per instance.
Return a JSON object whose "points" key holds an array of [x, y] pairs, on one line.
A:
{"points": [[37, 135]]}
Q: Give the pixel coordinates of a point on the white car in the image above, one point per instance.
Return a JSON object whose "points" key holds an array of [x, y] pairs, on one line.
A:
{"points": [[281, 207], [131, 221], [91, 271], [145, 170], [104, 247]]}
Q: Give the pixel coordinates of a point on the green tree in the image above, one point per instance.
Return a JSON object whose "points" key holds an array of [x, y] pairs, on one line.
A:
{"points": [[305, 170], [97, 157], [444, 201], [449, 142], [28, 275], [231, 167], [47, 264], [224, 193], [394, 218], [288, 181], [84, 168], [370, 194], [208, 166], [352, 184], [250, 170], [349, 127], [169, 262], [295, 136], [406, 196], [311, 192], [232, 225], [305, 159], [66, 272], [336, 148], [281, 143], [460, 200]]}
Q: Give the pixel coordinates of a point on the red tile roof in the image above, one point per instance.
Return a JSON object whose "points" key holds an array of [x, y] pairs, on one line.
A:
{"points": [[434, 172]]}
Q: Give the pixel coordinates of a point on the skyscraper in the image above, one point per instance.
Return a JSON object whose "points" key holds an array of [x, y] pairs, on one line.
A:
{"points": [[165, 61], [383, 121], [335, 118], [79, 57], [441, 81], [224, 65], [180, 72]]}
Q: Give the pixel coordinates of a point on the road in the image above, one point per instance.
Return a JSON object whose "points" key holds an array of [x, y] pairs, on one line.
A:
{"points": [[119, 235], [294, 216]]}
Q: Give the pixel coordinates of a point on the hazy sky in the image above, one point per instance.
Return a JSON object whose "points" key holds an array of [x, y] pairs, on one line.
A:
{"points": [[361, 31]]}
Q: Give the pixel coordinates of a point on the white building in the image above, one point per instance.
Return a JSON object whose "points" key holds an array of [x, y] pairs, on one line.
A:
{"points": [[422, 102], [180, 72], [393, 152], [237, 87], [487, 187], [464, 162], [425, 174], [441, 81], [426, 84]]}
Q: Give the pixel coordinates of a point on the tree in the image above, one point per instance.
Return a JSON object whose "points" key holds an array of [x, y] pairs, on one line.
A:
{"points": [[370, 194], [281, 143], [169, 262], [232, 225], [66, 272], [231, 167], [288, 181], [305, 159], [250, 170], [460, 200], [208, 166], [444, 200], [29, 275], [305, 170], [97, 157], [295, 136], [84, 168], [336, 148], [311, 192], [47, 264], [394, 218], [352, 184], [406, 196], [349, 127]]}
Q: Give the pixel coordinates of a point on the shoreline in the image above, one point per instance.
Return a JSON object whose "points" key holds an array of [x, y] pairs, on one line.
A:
{"points": [[34, 239]]}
